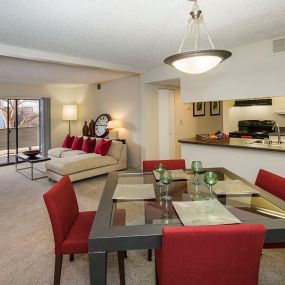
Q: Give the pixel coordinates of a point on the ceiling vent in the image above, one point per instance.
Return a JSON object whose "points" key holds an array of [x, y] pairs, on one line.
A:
{"points": [[279, 45]]}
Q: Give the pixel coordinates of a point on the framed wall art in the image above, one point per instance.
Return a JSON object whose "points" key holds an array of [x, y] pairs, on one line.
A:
{"points": [[215, 108], [198, 109]]}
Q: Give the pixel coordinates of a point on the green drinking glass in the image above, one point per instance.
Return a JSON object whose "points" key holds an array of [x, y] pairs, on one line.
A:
{"points": [[211, 178], [196, 167], [160, 168], [166, 179]]}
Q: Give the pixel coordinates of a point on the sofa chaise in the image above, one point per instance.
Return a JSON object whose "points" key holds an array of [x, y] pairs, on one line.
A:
{"points": [[78, 164]]}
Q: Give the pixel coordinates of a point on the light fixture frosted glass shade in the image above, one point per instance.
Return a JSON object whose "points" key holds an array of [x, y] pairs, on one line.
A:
{"points": [[69, 112], [197, 62]]}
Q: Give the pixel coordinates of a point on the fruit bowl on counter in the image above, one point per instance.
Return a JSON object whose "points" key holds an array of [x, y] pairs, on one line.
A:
{"points": [[217, 137]]}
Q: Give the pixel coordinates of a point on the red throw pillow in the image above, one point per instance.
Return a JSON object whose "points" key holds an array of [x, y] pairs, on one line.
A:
{"points": [[89, 145], [103, 147], [77, 143], [68, 141]]}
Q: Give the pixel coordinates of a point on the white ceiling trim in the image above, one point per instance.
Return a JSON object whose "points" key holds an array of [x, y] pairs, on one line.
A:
{"points": [[33, 54]]}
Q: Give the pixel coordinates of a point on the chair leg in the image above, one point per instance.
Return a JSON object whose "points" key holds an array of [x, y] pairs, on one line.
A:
{"points": [[121, 267], [149, 254], [57, 269], [125, 254], [71, 257], [156, 276]]}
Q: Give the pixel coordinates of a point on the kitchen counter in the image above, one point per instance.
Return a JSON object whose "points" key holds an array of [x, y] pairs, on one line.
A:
{"points": [[239, 143], [241, 156]]}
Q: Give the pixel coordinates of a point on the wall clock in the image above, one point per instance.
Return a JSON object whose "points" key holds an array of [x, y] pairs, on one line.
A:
{"points": [[101, 122]]}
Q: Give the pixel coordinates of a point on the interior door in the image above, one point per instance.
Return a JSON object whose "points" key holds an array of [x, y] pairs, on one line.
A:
{"points": [[166, 122]]}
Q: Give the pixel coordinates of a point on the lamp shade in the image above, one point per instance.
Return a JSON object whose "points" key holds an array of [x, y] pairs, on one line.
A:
{"points": [[69, 112], [111, 125], [198, 61], [114, 124]]}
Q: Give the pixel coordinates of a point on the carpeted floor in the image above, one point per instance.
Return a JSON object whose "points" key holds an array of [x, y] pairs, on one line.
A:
{"points": [[27, 248]]}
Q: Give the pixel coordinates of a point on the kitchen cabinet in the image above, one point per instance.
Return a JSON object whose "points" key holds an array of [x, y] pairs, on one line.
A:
{"points": [[278, 105]]}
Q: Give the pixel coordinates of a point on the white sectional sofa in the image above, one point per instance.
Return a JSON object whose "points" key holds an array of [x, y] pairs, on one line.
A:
{"points": [[79, 165]]}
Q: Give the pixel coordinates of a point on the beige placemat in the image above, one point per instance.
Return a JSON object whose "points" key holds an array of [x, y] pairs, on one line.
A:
{"points": [[208, 212], [233, 187], [177, 174], [134, 192]]}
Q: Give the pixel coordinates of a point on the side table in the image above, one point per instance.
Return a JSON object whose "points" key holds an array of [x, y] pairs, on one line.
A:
{"points": [[31, 161]]}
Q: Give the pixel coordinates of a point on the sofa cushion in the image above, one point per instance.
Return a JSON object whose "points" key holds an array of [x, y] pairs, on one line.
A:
{"points": [[57, 152], [78, 163], [89, 145], [103, 147], [77, 143], [72, 153], [68, 141], [115, 149]]}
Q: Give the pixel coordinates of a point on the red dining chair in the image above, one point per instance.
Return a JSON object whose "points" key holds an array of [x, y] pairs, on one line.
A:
{"points": [[271, 182], [275, 185], [71, 228], [150, 165], [170, 164], [216, 255]]}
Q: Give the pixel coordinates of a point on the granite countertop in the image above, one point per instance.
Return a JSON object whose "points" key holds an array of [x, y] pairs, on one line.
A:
{"points": [[239, 143], [276, 134]]}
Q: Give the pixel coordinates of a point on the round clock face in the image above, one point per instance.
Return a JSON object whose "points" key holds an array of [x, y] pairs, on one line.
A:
{"points": [[101, 125]]}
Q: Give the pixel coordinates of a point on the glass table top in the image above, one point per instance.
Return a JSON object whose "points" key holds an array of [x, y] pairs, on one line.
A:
{"points": [[155, 211]]}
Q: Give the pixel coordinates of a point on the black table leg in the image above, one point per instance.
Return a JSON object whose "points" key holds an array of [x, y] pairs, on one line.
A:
{"points": [[98, 268]]}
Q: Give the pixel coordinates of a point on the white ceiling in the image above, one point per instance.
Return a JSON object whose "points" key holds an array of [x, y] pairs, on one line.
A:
{"points": [[33, 72], [138, 33]]}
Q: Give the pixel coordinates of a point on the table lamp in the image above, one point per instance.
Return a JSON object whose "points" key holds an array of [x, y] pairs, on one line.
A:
{"points": [[69, 113], [113, 134]]}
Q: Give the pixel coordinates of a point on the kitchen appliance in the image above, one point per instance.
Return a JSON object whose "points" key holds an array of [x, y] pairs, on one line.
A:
{"points": [[254, 129], [253, 102]]}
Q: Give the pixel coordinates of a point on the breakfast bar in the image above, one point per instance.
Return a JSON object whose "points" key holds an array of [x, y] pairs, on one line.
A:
{"points": [[242, 156]]}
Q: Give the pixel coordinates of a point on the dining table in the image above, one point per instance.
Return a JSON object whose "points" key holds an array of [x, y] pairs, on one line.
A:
{"points": [[145, 218]]}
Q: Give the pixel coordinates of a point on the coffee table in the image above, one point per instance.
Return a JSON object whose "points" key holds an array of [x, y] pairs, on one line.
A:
{"points": [[31, 160]]}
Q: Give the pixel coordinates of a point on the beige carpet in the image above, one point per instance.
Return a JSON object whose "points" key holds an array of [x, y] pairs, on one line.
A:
{"points": [[26, 240]]}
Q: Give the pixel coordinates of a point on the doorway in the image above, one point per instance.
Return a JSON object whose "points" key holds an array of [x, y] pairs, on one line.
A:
{"points": [[20, 127], [166, 123]]}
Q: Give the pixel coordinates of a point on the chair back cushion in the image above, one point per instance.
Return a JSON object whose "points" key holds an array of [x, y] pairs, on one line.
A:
{"points": [[150, 165], [216, 255], [271, 182], [62, 208]]}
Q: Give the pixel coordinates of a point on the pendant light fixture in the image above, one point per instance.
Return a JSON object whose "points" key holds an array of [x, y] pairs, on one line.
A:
{"points": [[197, 61]]}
